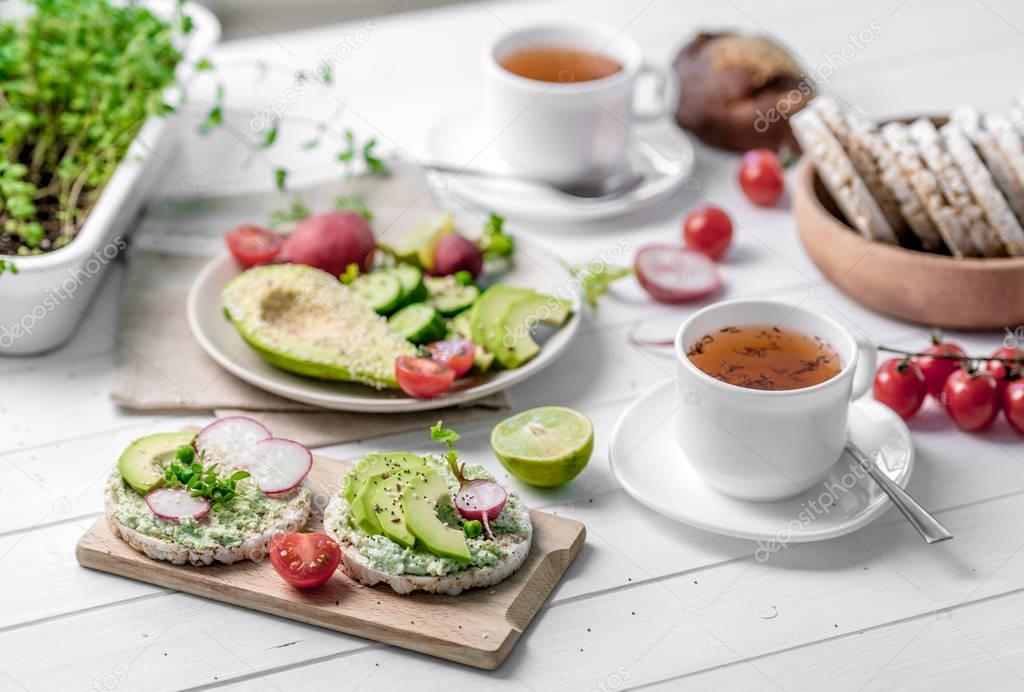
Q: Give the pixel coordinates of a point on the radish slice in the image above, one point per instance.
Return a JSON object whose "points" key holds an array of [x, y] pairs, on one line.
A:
{"points": [[230, 440], [480, 499], [278, 465], [673, 274], [173, 504]]}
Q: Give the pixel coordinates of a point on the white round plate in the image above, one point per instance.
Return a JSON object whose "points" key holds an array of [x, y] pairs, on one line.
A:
{"points": [[458, 140], [651, 467], [534, 268]]}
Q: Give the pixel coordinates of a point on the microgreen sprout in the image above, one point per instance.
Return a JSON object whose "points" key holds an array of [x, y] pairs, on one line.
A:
{"points": [[448, 438], [201, 481]]}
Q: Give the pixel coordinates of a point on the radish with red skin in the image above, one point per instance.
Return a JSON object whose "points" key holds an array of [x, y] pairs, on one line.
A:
{"points": [[332, 242], [229, 440], [482, 500], [278, 465], [175, 504], [674, 274], [454, 253]]}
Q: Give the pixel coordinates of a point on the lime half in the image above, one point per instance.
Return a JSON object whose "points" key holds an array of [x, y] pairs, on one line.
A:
{"points": [[544, 446]]}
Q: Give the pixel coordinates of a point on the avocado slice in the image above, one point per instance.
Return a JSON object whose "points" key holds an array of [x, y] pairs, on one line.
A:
{"points": [[488, 311], [362, 505], [142, 463], [461, 328], [375, 463], [419, 503], [387, 505], [502, 321], [305, 321]]}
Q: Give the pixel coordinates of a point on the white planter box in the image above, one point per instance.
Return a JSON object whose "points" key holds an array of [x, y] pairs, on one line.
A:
{"points": [[41, 306]]}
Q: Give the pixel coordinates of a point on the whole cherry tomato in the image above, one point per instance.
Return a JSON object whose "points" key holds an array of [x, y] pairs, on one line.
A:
{"points": [[761, 177], [252, 245], [1013, 405], [304, 560], [1004, 372], [937, 370], [457, 354], [900, 385], [708, 229], [971, 399], [422, 377]]}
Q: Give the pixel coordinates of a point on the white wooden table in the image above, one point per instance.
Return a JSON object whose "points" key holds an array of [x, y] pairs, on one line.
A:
{"points": [[648, 602]]}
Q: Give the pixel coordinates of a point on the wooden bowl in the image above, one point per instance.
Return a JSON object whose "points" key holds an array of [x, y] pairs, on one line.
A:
{"points": [[922, 287]]}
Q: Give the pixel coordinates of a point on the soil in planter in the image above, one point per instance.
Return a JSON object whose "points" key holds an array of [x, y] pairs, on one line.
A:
{"points": [[54, 238]]}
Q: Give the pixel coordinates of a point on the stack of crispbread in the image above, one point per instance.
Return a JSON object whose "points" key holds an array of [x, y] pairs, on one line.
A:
{"points": [[957, 189]]}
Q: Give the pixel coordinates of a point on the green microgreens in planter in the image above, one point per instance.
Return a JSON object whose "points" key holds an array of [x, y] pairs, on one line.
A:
{"points": [[202, 482], [78, 78]]}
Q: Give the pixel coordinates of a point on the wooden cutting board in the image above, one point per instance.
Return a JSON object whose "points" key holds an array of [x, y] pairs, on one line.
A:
{"points": [[477, 627]]}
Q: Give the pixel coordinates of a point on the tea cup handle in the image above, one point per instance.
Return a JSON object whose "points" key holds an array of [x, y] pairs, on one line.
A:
{"points": [[867, 363], [664, 92]]}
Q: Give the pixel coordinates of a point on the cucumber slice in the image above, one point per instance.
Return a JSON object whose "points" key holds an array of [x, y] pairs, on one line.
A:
{"points": [[449, 296], [419, 323], [411, 278], [381, 290]]}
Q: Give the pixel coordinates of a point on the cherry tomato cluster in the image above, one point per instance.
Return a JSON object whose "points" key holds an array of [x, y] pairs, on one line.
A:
{"points": [[973, 390], [429, 377]]}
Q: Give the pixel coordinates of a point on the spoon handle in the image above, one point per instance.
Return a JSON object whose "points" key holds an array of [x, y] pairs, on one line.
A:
{"points": [[927, 525]]}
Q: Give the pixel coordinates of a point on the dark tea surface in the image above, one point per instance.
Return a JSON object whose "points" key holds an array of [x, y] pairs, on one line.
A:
{"points": [[557, 64], [765, 357]]}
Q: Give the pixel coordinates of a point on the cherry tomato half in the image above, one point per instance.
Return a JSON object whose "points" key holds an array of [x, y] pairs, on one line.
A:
{"points": [[457, 354], [900, 385], [708, 229], [252, 245], [422, 377], [937, 370], [1013, 405], [761, 177], [972, 399], [304, 560]]}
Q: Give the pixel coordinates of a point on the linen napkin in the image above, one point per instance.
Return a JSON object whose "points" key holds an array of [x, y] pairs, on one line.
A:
{"points": [[161, 368]]}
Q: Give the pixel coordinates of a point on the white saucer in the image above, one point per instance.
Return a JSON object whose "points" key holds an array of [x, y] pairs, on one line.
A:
{"points": [[459, 140], [651, 467]]}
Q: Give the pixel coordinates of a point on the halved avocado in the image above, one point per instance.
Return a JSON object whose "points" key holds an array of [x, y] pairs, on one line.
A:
{"points": [[419, 503], [305, 321], [142, 463]]}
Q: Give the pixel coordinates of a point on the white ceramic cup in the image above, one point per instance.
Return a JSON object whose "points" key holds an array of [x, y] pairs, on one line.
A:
{"points": [[566, 132], [766, 445]]}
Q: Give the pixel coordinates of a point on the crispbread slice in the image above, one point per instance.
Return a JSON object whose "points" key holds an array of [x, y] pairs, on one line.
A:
{"points": [[983, 189], [848, 130], [954, 187], [926, 191], [840, 176], [358, 567], [254, 546], [986, 144], [1009, 139]]}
